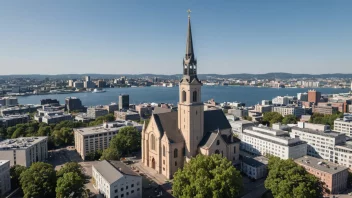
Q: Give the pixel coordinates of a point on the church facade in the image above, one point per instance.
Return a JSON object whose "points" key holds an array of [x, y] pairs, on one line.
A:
{"points": [[173, 138]]}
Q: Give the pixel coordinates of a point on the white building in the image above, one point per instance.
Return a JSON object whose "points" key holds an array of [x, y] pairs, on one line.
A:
{"points": [[264, 140], [5, 180], [114, 179], [344, 125], [51, 116], [25, 150], [321, 141], [91, 139], [281, 100], [239, 125], [289, 110], [255, 168]]}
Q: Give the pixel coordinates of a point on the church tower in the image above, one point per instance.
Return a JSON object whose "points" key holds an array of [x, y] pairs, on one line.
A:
{"points": [[190, 106]]}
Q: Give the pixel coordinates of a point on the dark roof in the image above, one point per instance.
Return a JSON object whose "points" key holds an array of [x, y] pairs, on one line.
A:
{"points": [[214, 120], [167, 123], [161, 110], [255, 162], [123, 168]]}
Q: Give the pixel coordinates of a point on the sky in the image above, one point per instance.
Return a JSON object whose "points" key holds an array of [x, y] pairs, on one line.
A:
{"points": [[149, 36]]}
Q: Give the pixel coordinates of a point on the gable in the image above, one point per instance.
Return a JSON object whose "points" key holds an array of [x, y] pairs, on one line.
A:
{"points": [[167, 124]]}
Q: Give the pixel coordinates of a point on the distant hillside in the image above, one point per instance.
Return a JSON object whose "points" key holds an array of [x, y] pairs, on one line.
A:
{"points": [[201, 76]]}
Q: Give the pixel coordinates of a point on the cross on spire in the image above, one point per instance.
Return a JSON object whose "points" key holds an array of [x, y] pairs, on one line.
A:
{"points": [[189, 12]]}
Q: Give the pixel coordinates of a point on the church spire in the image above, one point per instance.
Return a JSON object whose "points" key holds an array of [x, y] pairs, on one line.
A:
{"points": [[189, 62]]}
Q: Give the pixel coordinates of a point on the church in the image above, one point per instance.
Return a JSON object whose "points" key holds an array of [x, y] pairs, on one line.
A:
{"points": [[171, 139]]}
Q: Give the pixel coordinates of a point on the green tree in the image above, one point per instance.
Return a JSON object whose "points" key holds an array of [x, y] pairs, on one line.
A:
{"points": [[272, 118], [19, 132], [70, 185], [10, 131], [127, 140], [110, 154], [287, 179], [38, 181], [289, 119], [64, 136], [44, 131], [15, 172], [207, 176], [318, 118], [94, 155], [3, 132], [73, 167]]}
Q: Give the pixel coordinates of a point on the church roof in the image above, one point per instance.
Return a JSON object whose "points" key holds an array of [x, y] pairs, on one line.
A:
{"points": [[214, 120], [167, 123]]}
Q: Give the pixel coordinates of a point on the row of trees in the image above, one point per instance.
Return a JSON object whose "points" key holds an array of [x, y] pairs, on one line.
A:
{"points": [[318, 118], [60, 134], [41, 180], [271, 118]]}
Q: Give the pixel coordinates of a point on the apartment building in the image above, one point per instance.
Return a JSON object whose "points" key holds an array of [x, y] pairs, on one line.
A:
{"points": [[25, 150], [281, 100], [344, 125], [239, 125], [333, 176], [262, 108], [13, 120], [289, 110], [263, 140], [114, 179], [320, 139], [5, 180], [50, 115], [127, 115], [91, 139], [326, 110], [94, 112]]}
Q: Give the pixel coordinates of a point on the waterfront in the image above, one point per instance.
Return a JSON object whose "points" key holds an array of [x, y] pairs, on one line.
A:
{"points": [[248, 95]]}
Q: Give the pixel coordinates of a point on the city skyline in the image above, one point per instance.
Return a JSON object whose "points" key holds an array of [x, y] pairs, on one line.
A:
{"points": [[137, 37]]}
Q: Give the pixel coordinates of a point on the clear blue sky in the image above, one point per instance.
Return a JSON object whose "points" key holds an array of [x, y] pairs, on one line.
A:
{"points": [[133, 37]]}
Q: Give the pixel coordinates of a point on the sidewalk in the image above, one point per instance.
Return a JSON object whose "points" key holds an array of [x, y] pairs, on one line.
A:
{"points": [[151, 173]]}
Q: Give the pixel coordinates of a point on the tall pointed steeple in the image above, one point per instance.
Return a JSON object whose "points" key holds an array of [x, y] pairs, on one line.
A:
{"points": [[189, 62]]}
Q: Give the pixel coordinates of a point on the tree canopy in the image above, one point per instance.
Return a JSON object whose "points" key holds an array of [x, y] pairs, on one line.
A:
{"points": [[289, 119], [288, 180], [207, 177], [127, 140], [71, 184], [110, 154], [71, 167], [318, 118], [15, 172], [272, 118], [38, 181]]}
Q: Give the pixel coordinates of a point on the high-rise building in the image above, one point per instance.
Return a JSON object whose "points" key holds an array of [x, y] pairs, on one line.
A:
{"points": [[314, 96], [124, 101], [87, 78], [78, 84], [70, 83], [73, 103]]}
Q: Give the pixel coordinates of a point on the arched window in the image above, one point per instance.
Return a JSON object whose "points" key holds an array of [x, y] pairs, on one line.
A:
{"points": [[152, 141], [217, 152], [163, 150], [183, 96], [218, 142], [195, 96], [175, 153]]}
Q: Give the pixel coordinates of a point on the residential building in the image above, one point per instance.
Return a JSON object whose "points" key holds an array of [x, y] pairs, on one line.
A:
{"points": [[124, 101], [89, 84], [289, 110], [25, 150], [91, 139], [239, 126], [111, 107], [172, 138], [127, 115], [267, 102], [18, 110], [87, 78], [5, 180], [281, 100], [13, 120], [114, 179], [144, 110], [255, 168], [320, 139], [326, 110], [333, 176], [314, 96], [51, 115], [70, 83], [344, 125], [238, 112], [73, 104], [101, 83], [8, 101], [262, 108], [302, 97], [263, 140], [78, 85], [94, 112]]}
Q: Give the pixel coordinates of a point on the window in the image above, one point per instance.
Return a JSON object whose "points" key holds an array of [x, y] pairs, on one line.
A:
{"points": [[127, 193], [175, 163], [195, 96], [184, 96], [137, 189], [175, 153], [121, 195], [126, 187], [163, 150], [234, 149], [132, 191], [132, 185], [116, 196], [218, 142], [121, 189], [217, 152], [116, 191], [153, 141]]}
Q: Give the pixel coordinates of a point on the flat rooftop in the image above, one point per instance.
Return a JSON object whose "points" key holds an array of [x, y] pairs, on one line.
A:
{"points": [[317, 132], [112, 127], [11, 117], [320, 164], [241, 122], [20, 143]]}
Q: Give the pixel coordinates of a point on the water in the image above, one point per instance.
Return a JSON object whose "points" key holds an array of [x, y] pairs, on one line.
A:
{"points": [[248, 95]]}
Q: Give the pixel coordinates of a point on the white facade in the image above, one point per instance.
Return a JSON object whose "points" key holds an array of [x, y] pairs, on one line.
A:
{"points": [[114, 180], [255, 168], [25, 150], [343, 126], [285, 110], [281, 100], [5, 180], [263, 140]]}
